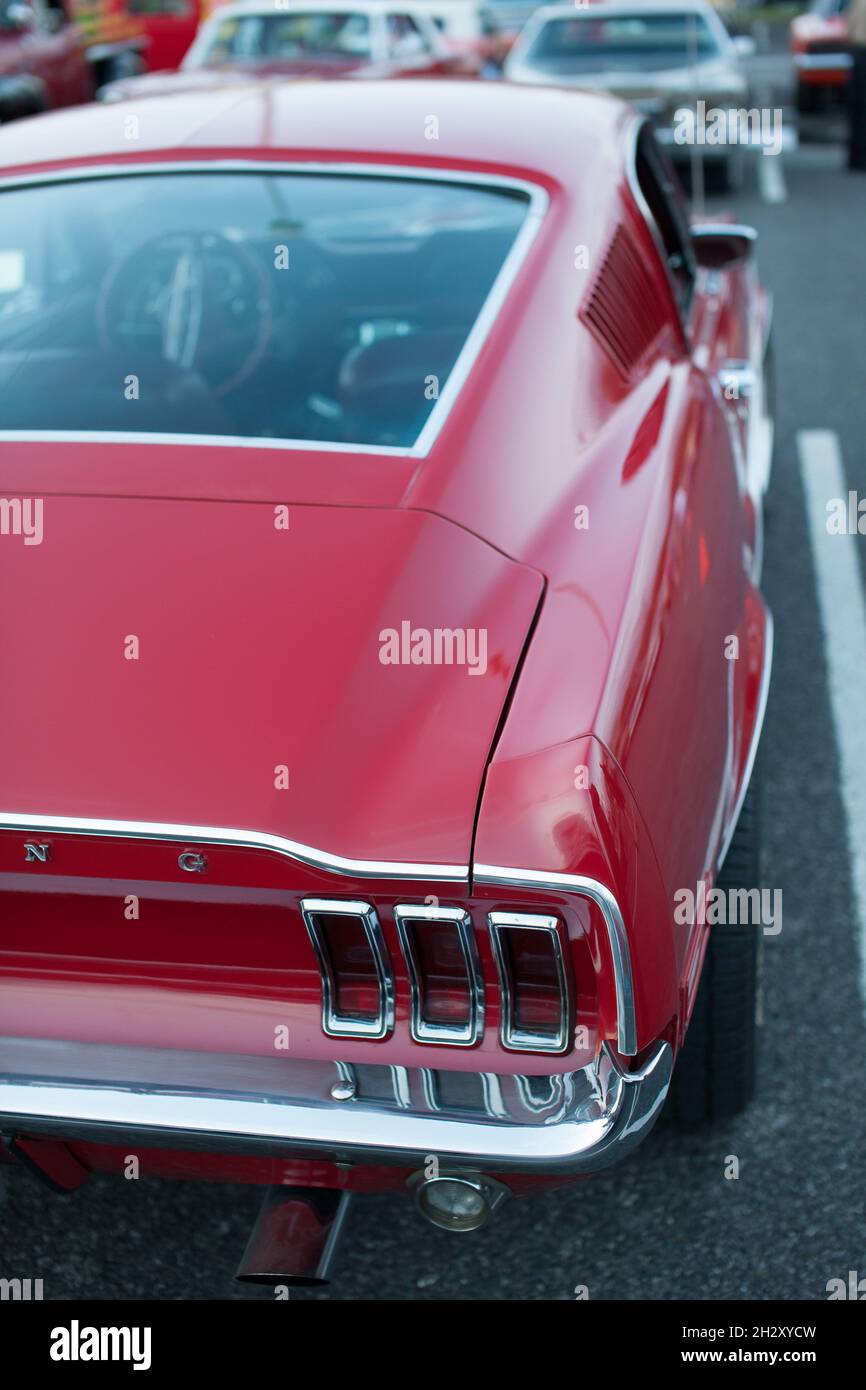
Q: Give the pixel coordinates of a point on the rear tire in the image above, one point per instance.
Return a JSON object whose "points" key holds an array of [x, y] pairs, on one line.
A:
{"points": [[714, 1076]]}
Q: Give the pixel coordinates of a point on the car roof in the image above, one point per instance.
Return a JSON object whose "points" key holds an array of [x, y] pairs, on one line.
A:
{"points": [[549, 131]]}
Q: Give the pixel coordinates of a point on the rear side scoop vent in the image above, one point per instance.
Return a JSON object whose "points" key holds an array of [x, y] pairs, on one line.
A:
{"points": [[623, 307]]}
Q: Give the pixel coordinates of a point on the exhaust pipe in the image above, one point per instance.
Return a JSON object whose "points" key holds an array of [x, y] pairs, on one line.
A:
{"points": [[294, 1238]]}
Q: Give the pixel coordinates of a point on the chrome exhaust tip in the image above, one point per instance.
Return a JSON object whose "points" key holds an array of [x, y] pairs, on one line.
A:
{"points": [[457, 1201], [295, 1237]]}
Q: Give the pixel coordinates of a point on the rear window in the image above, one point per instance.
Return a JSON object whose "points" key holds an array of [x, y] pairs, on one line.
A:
{"points": [[633, 42], [287, 306]]}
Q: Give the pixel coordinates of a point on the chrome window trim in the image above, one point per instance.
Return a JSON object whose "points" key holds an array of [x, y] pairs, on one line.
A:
{"points": [[421, 1029], [638, 125], [537, 205], [760, 713], [516, 1039], [238, 839], [597, 893], [338, 1025]]}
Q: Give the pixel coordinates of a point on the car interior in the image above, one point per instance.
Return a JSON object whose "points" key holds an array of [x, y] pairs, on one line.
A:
{"points": [[328, 308]]}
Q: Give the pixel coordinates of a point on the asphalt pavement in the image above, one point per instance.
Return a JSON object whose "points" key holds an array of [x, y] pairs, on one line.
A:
{"points": [[667, 1223]]}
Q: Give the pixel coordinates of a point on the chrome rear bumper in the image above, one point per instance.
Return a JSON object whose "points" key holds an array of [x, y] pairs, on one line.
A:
{"points": [[571, 1123]]}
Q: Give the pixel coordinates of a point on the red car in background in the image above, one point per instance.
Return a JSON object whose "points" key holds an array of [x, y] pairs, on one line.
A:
{"points": [[169, 28], [42, 59], [391, 656], [267, 39], [820, 53], [53, 54]]}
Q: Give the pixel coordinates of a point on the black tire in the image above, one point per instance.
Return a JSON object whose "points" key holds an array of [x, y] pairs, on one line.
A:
{"points": [[714, 1076]]}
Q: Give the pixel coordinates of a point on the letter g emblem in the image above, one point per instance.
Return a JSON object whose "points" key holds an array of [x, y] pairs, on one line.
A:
{"points": [[192, 862]]}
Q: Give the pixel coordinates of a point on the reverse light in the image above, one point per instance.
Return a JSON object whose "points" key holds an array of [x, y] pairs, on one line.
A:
{"points": [[455, 1202]]}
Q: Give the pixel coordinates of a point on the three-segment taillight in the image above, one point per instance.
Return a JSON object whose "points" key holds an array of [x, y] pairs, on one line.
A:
{"points": [[446, 984]]}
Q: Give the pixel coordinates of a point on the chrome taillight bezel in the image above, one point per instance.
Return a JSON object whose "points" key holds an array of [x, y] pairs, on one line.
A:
{"points": [[335, 1024], [512, 1037], [423, 1030]]}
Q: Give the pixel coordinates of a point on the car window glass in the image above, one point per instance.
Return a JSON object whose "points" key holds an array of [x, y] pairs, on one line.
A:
{"points": [[405, 39], [321, 35], [641, 43], [47, 19], [280, 305], [175, 8]]}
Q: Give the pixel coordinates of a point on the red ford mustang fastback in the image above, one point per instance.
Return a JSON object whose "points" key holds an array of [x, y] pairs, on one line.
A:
{"points": [[381, 530]]}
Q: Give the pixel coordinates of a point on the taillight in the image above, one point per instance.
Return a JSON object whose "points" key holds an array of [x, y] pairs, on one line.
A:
{"points": [[534, 981], [444, 974], [357, 981], [447, 1004]]}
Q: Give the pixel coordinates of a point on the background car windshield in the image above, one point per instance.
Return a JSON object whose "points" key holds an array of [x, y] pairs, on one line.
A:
{"points": [[826, 9], [310, 307], [648, 42], [319, 34]]}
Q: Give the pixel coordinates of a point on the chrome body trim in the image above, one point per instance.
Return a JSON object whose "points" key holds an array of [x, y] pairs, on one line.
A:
{"points": [[335, 1024], [422, 1030], [760, 713], [513, 1038], [238, 839], [536, 208], [702, 231], [620, 954], [583, 1121]]}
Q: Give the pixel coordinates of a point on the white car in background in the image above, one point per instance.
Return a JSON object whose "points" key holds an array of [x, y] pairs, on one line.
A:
{"points": [[471, 28], [660, 55]]}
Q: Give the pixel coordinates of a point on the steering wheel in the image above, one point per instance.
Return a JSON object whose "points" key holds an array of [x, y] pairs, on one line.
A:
{"points": [[197, 298]]}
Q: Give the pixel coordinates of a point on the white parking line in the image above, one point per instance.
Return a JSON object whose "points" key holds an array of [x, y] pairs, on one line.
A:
{"points": [[771, 178], [843, 618]]}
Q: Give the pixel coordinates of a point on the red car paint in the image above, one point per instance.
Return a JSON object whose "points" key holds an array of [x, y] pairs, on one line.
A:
{"points": [[169, 33], [47, 54], [606, 640]]}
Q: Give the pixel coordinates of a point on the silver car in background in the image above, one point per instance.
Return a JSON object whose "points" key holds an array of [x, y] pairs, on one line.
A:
{"points": [[663, 56]]}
